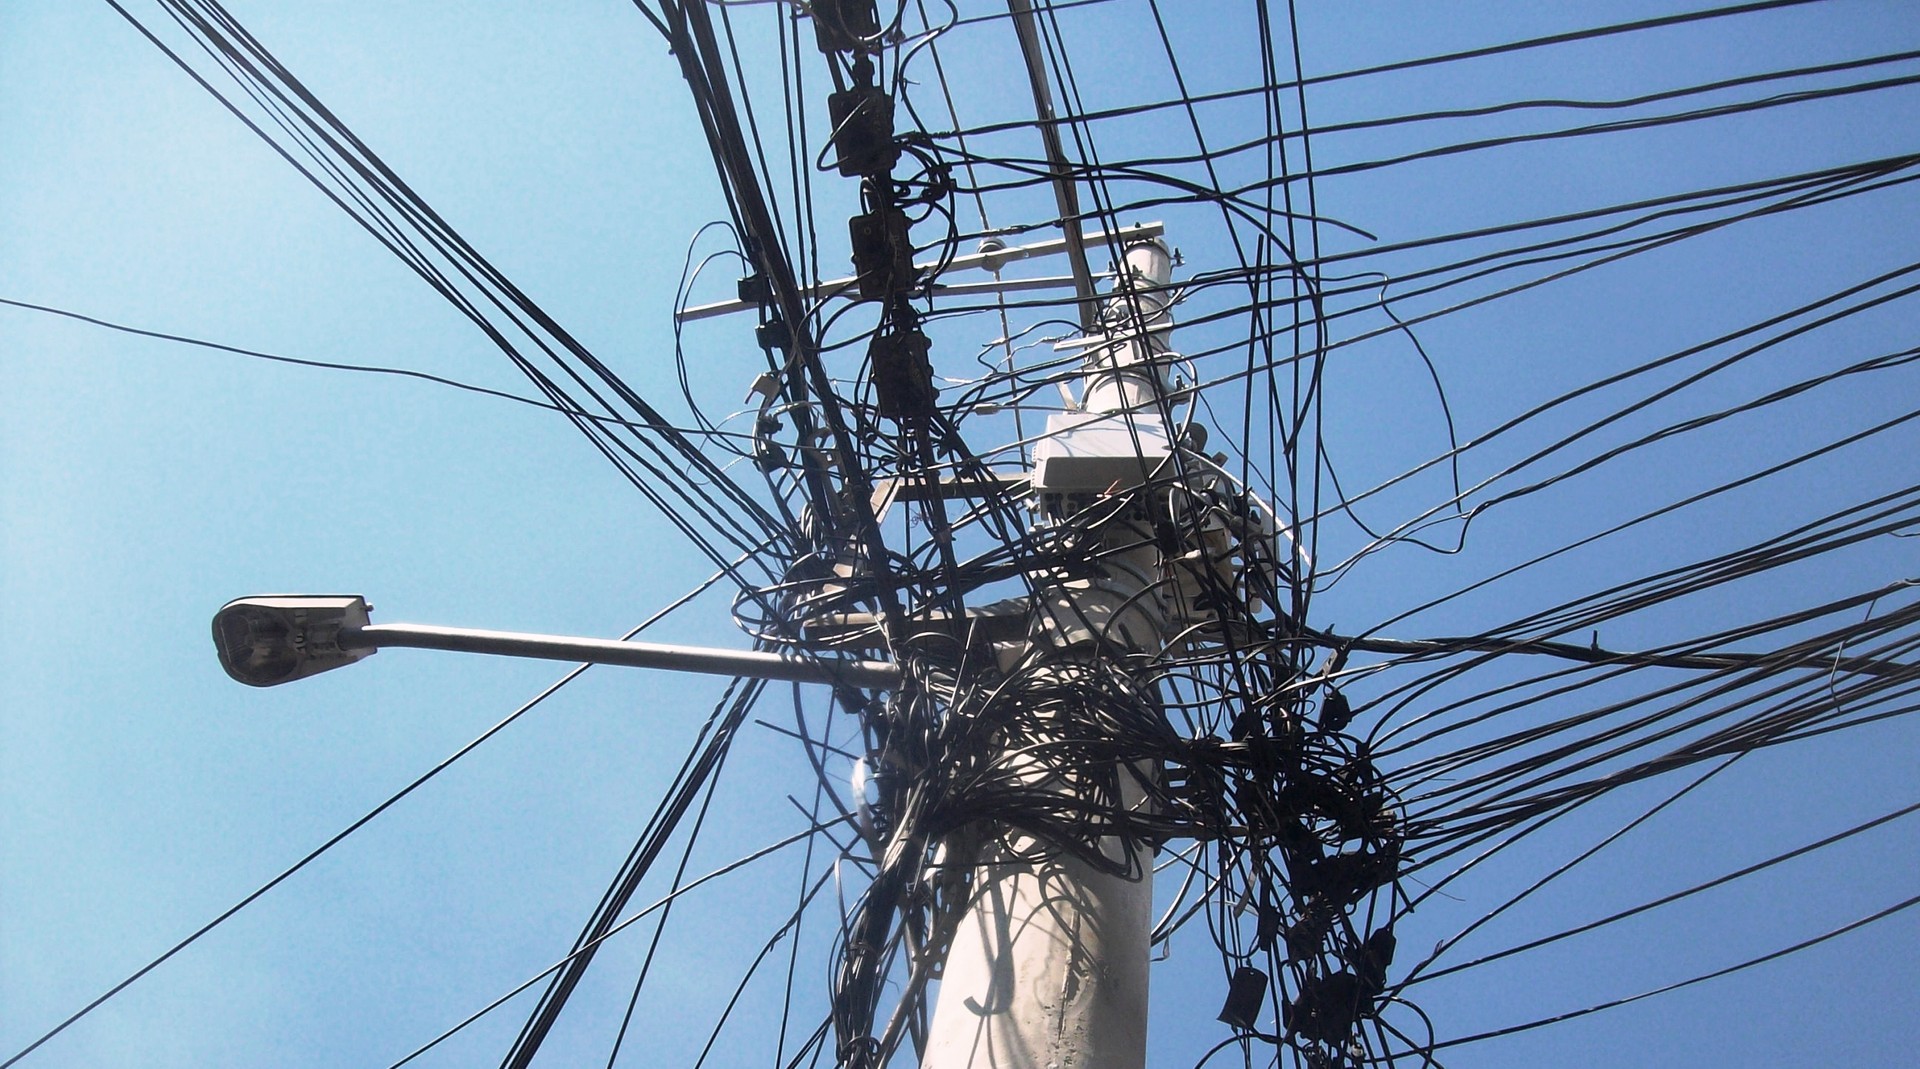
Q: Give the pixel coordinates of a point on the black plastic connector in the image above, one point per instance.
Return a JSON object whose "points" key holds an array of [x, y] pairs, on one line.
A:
{"points": [[882, 253], [754, 289], [862, 120], [1245, 992], [773, 334], [1370, 961], [902, 375], [1336, 712], [1271, 926], [1327, 1008], [844, 25], [1346, 877]]}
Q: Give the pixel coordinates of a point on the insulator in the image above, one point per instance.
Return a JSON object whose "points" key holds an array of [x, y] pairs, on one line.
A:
{"points": [[866, 798]]}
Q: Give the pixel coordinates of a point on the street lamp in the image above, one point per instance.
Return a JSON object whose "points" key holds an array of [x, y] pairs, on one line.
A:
{"points": [[264, 641], [268, 640]]}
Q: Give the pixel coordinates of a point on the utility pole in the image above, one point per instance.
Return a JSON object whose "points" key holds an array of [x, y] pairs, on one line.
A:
{"points": [[1048, 966]]}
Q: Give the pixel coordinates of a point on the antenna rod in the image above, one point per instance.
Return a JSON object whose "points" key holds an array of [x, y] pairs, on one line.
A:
{"points": [[1065, 193]]}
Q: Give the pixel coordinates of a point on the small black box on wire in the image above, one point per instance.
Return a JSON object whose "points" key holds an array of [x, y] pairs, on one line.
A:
{"points": [[773, 334], [882, 253], [1245, 992], [1336, 711], [841, 25], [754, 289], [1326, 1008], [862, 120], [902, 375]]}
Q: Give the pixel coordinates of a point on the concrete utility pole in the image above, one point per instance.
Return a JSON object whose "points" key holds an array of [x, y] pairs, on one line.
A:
{"points": [[1048, 966]]}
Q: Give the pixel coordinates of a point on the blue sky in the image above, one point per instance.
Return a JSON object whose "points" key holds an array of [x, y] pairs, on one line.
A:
{"points": [[143, 483]]}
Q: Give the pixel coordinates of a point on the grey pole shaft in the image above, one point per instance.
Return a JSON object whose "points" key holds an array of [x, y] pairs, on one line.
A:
{"points": [[1048, 966]]}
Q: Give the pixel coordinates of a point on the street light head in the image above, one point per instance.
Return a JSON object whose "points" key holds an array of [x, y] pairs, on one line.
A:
{"points": [[264, 641]]}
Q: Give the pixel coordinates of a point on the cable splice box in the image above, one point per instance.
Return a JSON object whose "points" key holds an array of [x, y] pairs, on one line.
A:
{"points": [[1089, 452], [882, 253], [862, 120]]}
